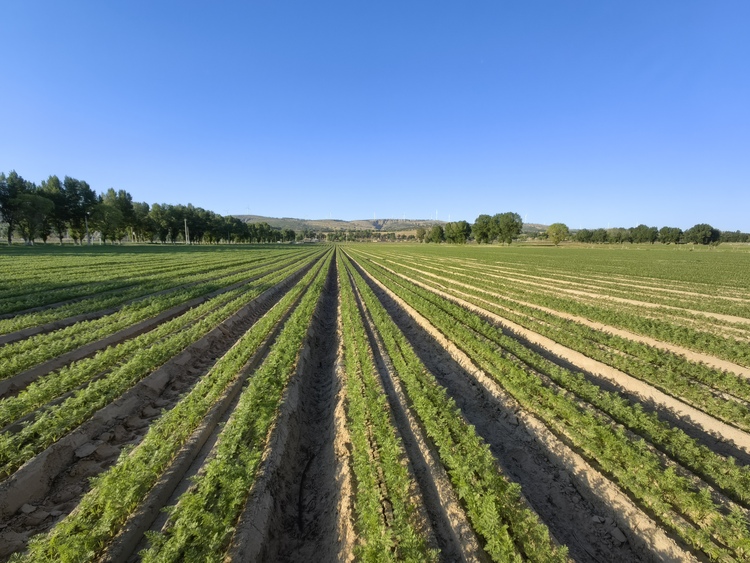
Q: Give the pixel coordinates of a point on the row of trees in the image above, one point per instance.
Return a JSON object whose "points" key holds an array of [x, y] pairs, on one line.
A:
{"points": [[502, 227], [698, 234], [506, 227], [71, 208]]}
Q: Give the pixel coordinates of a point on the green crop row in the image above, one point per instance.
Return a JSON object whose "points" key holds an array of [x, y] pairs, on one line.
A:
{"points": [[117, 493], [78, 373], [22, 355], [375, 450], [128, 275], [510, 530], [200, 525], [716, 530], [719, 346], [693, 383], [732, 478], [56, 421], [174, 280], [634, 290]]}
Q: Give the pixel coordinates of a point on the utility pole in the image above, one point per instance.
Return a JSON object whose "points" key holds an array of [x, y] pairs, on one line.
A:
{"points": [[88, 236], [187, 235]]}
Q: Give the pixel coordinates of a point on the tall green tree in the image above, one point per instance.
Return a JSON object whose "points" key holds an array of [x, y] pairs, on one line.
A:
{"points": [[436, 234], [558, 232], [53, 190], [12, 186], [81, 201], [483, 229], [158, 217], [702, 233], [599, 235], [507, 226], [143, 227], [618, 235], [734, 236], [108, 220], [32, 210], [120, 223], [644, 234], [124, 202], [670, 235], [458, 232], [175, 215]]}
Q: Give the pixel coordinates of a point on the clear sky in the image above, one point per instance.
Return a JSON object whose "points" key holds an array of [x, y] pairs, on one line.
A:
{"points": [[591, 113]]}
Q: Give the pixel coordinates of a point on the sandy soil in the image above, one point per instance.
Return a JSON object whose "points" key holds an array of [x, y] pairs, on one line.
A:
{"points": [[293, 512]]}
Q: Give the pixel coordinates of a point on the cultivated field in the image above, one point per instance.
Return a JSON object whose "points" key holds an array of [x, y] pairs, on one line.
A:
{"points": [[374, 402]]}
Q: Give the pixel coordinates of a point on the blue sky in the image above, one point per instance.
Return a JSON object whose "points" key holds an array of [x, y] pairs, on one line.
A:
{"points": [[591, 113]]}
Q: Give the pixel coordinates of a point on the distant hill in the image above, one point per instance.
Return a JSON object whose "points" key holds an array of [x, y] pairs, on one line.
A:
{"points": [[326, 225], [534, 228]]}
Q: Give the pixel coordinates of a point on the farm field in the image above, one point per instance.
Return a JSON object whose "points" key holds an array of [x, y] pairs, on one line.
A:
{"points": [[375, 402]]}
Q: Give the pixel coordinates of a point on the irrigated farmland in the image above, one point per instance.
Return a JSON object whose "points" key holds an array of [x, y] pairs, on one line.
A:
{"points": [[374, 403]]}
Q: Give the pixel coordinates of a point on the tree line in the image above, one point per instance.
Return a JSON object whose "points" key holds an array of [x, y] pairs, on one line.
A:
{"points": [[701, 233], [501, 227], [71, 208]]}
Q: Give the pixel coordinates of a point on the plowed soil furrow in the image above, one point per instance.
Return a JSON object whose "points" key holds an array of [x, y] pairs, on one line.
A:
{"points": [[187, 463], [18, 382], [68, 321], [692, 355], [645, 392], [560, 485], [54, 481], [451, 530], [293, 510]]}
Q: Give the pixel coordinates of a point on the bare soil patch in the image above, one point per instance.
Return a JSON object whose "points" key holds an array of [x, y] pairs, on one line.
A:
{"points": [[293, 512]]}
